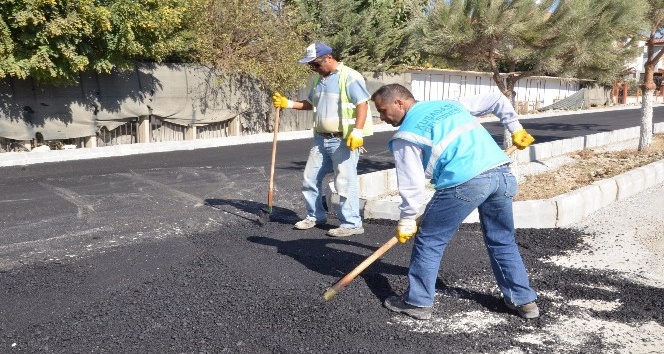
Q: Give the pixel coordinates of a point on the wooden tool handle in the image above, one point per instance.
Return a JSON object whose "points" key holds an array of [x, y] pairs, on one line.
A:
{"points": [[343, 282], [274, 155], [510, 150]]}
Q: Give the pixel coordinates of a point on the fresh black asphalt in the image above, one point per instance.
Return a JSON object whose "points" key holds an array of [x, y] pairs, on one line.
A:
{"points": [[163, 253]]}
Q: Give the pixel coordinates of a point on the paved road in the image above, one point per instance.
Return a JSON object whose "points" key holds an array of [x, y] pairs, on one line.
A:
{"points": [[136, 186], [162, 252]]}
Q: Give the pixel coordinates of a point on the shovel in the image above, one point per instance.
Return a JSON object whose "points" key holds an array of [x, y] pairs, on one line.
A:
{"points": [[265, 212]]}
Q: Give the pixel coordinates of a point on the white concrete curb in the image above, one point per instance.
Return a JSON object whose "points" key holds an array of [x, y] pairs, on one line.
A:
{"points": [[379, 199]]}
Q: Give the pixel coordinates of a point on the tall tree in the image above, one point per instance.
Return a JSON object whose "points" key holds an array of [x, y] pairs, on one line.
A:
{"points": [[53, 41], [655, 35], [259, 38], [515, 39], [370, 35]]}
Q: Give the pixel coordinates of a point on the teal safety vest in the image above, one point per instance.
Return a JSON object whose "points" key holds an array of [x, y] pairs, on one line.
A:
{"points": [[456, 146]]}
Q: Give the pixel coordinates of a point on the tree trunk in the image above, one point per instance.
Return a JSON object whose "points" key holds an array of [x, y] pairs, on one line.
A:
{"points": [[645, 134], [506, 86]]}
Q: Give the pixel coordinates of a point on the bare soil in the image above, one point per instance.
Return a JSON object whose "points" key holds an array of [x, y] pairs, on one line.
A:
{"points": [[589, 165]]}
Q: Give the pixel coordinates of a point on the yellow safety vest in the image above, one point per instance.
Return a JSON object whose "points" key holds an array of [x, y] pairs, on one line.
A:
{"points": [[347, 108]]}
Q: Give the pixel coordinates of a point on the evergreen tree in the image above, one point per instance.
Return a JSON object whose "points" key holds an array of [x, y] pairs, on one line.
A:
{"points": [[515, 39], [369, 35]]}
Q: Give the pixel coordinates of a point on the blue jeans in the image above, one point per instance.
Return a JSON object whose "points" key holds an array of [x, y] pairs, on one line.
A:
{"points": [[491, 192], [327, 156]]}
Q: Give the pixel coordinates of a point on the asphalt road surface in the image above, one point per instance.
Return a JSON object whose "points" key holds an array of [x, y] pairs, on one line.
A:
{"points": [[163, 253]]}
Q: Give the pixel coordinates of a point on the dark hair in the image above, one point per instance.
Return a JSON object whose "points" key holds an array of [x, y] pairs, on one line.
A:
{"points": [[391, 92]]}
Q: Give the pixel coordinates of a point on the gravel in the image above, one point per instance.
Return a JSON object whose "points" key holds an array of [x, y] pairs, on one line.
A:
{"points": [[626, 237]]}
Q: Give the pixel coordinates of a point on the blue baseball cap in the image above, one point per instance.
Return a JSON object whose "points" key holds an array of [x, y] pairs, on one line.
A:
{"points": [[315, 50]]}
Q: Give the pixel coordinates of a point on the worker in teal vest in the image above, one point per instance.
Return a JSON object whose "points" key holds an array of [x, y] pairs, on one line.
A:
{"points": [[340, 101], [443, 141]]}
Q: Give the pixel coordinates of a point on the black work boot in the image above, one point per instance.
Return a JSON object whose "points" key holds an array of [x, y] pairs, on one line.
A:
{"points": [[396, 304]]}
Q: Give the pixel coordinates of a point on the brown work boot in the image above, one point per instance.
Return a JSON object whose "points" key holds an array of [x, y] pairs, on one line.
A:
{"points": [[529, 310]]}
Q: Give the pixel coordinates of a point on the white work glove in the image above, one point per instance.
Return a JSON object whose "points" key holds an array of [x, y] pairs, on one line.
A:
{"points": [[406, 228]]}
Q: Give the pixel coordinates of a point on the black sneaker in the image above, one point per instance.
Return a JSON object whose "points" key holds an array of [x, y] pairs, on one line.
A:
{"points": [[396, 304], [529, 310]]}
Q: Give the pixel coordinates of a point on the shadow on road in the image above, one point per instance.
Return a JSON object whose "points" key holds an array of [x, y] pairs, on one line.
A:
{"points": [[332, 257], [235, 206]]}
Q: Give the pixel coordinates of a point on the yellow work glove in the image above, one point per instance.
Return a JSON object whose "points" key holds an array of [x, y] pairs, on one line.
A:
{"points": [[355, 139], [521, 139], [406, 228], [280, 101]]}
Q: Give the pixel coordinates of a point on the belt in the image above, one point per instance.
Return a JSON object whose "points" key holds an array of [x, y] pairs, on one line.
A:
{"points": [[330, 135]]}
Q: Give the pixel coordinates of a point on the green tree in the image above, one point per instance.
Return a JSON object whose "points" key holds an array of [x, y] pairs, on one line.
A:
{"points": [[53, 41], [515, 39], [655, 32], [259, 38], [369, 35]]}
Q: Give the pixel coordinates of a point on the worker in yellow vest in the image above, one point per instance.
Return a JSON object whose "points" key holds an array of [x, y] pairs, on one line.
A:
{"points": [[340, 101]]}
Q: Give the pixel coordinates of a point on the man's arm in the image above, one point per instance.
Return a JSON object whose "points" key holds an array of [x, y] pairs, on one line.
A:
{"points": [[361, 114], [303, 105], [410, 177], [493, 103], [280, 101]]}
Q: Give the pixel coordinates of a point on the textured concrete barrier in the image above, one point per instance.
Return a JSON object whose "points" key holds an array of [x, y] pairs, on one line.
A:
{"points": [[535, 213], [629, 183], [609, 191]]}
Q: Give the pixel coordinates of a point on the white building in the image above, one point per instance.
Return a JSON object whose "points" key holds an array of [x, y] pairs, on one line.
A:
{"points": [[637, 66]]}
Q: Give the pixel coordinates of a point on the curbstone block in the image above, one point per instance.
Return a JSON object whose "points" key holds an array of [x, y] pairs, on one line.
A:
{"points": [[658, 128], [590, 141], [537, 214], [649, 175], [570, 208], [629, 183], [592, 199], [571, 145], [556, 147], [541, 152], [609, 191], [658, 167], [375, 183], [381, 209], [601, 139]]}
